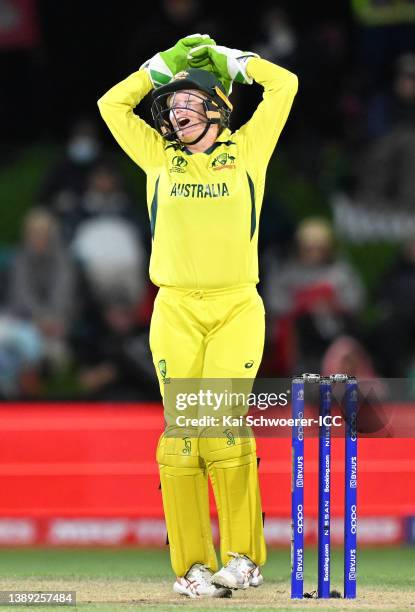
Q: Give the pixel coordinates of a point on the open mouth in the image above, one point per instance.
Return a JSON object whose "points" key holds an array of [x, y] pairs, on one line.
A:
{"points": [[183, 122]]}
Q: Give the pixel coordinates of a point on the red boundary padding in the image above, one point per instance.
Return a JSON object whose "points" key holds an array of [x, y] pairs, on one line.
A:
{"points": [[98, 460]]}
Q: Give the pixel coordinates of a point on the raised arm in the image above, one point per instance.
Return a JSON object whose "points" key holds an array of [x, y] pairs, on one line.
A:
{"points": [[141, 142], [260, 134]]}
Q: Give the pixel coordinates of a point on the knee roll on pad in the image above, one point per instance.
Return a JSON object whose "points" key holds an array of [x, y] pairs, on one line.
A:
{"points": [[178, 452], [226, 448]]}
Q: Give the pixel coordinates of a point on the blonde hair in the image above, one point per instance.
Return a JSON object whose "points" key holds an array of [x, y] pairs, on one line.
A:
{"points": [[40, 219], [316, 231]]}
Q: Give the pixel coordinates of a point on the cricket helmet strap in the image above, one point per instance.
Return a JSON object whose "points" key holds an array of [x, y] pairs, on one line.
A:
{"points": [[216, 105]]}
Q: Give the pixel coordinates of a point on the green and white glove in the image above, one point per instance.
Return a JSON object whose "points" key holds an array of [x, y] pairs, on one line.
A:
{"points": [[164, 65], [228, 65]]}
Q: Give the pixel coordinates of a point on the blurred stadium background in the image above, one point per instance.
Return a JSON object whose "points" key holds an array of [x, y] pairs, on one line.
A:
{"points": [[80, 412]]}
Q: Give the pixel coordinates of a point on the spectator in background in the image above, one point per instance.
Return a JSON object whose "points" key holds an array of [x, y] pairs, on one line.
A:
{"points": [[103, 195], [21, 357], [41, 284], [111, 257], [395, 106], [376, 200], [67, 179], [113, 354], [394, 334], [386, 177], [312, 298], [108, 248], [278, 41], [349, 356], [106, 238]]}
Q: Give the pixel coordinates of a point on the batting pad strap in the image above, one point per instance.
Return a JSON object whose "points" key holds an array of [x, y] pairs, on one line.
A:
{"points": [[226, 448]]}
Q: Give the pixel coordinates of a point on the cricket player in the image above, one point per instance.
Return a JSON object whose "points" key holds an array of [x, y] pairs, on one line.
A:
{"points": [[205, 187]]}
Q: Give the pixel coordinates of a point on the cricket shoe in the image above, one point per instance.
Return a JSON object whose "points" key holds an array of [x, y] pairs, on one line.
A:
{"points": [[239, 573], [197, 583]]}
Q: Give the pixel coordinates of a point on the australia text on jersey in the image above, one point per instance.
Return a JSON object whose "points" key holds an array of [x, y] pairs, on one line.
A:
{"points": [[199, 190]]}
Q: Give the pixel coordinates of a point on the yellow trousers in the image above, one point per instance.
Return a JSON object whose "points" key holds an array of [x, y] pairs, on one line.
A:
{"points": [[217, 334]]}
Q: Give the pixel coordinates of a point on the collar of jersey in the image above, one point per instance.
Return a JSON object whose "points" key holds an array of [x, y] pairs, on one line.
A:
{"points": [[222, 139]]}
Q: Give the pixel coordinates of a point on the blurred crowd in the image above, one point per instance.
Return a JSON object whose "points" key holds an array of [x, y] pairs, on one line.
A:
{"points": [[75, 299], [76, 284]]}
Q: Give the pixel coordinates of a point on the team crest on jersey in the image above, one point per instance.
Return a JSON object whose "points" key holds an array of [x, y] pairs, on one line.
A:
{"points": [[162, 365], [178, 164], [222, 161]]}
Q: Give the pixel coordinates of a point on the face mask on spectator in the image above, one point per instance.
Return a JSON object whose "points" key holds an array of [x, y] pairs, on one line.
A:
{"points": [[83, 149]]}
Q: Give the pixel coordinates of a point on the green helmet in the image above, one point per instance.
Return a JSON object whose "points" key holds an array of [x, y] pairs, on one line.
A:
{"points": [[216, 106]]}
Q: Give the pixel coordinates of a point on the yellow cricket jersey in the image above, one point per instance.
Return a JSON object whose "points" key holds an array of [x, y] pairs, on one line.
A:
{"points": [[203, 207]]}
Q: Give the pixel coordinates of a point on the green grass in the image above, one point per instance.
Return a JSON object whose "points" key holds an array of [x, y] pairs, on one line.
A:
{"points": [[139, 578], [393, 567]]}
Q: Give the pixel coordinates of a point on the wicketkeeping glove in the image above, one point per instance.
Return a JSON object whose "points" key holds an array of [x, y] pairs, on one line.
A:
{"points": [[164, 65], [227, 64]]}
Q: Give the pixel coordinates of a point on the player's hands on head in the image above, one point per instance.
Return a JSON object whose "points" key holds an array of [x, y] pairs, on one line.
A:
{"points": [[227, 64], [164, 65]]}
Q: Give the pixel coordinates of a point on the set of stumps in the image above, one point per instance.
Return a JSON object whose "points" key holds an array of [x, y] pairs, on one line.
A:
{"points": [[298, 387]]}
